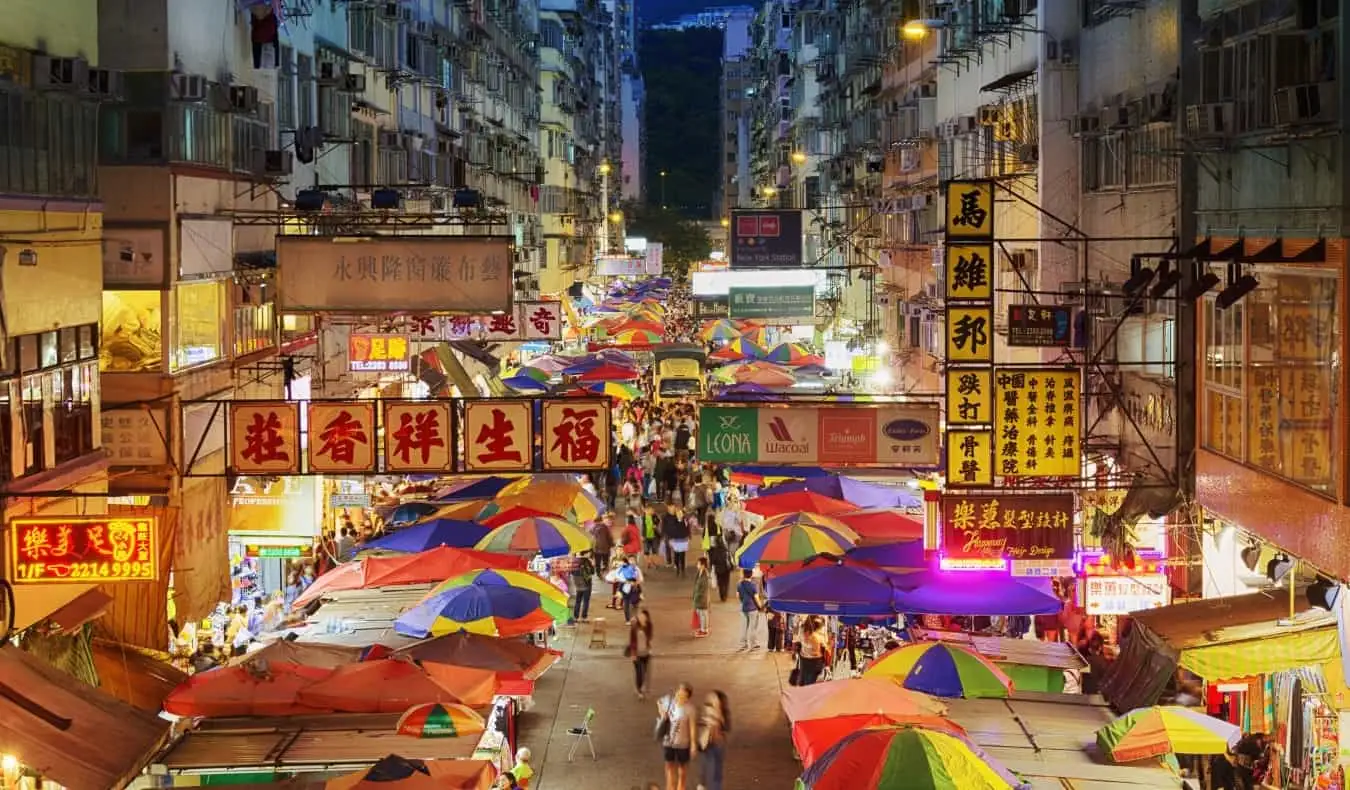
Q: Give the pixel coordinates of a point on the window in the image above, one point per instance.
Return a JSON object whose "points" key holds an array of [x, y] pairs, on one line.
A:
{"points": [[131, 326], [286, 115], [73, 410], [47, 144], [304, 94], [1134, 159], [196, 324], [34, 424], [1270, 377], [254, 327]]}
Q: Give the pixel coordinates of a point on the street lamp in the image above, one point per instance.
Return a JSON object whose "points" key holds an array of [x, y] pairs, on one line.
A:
{"points": [[726, 223], [616, 217], [663, 189], [604, 168], [916, 29], [798, 158], [769, 191]]}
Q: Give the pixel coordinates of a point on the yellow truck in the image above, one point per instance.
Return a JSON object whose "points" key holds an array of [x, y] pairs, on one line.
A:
{"points": [[678, 371]]}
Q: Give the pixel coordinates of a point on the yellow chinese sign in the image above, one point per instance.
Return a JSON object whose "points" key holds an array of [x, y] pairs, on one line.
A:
{"points": [[498, 436], [1289, 427], [576, 435], [264, 438], [342, 437], [417, 436], [1036, 418], [970, 211], [970, 458], [970, 271], [970, 396], [970, 334]]}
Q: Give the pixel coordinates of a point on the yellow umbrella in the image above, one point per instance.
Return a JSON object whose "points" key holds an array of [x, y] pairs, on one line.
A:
{"points": [[563, 495], [467, 510]]}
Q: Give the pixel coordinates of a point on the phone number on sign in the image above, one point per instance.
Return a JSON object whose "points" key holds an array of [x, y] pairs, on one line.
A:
{"points": [[85, 570]]}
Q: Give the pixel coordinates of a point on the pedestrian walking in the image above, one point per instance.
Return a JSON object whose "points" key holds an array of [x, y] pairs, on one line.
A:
{"points": [[702, 597], [640, 651], [677, 722], [583, 574], [720, 557], [676, 533], [602, 540], [714, 724], [752, 605]]}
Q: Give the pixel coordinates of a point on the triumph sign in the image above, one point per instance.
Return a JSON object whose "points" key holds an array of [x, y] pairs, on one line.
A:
{"points": [[894, 435]]}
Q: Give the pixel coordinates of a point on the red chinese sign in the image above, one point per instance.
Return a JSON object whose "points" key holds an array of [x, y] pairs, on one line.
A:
{"points": [[524, 321], [342, 437], [417, 436], [264, 438], [1021, 527], [498, 436], [377, 353], [577, 435], [88, 549]]}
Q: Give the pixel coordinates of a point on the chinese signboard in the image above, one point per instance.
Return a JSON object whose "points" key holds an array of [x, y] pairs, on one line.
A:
{"points": [[576, 435], [1037, 422], [970, 271], [498, 436], [418, 436], [136, 437], [1124, 594], [891, 435], [526, 321], [442, 274], [766, 239], [372, 353], [970, 458], [970, 396], [773, 302], [85, 549], [970, 334], [627, 266], [986, 527], [1040, 326], [711, 307], [970, 211]]}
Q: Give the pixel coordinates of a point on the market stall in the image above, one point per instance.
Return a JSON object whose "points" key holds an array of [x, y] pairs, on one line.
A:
{"points": [[1033, 665]]}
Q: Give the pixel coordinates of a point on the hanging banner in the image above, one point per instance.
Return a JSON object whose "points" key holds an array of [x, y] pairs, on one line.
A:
{"points": [[342, 437], [576, 435], [969, 211], [264, 438], [526, 321], [88, 549], [377, 353], [987, 527], [970, 396], [1116, 595], [970, 272], [1040, 326], [887, 435], [970, 335], [970, 458], [417, 437], [626, 266], [498, 436], [1037, 422]]}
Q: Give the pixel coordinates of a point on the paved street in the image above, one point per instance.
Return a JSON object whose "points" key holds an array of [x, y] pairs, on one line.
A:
{"points": [[760, 753]]}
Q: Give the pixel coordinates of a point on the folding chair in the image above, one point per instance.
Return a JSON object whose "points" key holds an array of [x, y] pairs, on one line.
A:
{"points": [[599, 636], [582, 733]]}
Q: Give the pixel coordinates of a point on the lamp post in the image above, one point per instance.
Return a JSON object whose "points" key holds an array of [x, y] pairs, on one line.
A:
{"points": [[663, 191], [604, 208]]}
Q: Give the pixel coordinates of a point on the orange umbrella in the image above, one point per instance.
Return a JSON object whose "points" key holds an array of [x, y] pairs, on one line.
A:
{"points": [[424, 567], [392, 686], [255, 688], [764, 374], [462, 511], [310, 655], [464, 649], [855, 696]]}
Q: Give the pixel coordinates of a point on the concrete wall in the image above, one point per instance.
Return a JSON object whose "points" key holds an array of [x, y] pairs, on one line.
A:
{"points": [[68, 276], [60, 27]]}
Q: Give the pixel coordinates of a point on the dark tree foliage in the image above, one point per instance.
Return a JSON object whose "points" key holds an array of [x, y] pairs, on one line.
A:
{"points": [[682, 70], [684, 241]]}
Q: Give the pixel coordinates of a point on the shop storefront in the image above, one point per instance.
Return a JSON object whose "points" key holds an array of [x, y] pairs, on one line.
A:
{"points": [[274, 524]]}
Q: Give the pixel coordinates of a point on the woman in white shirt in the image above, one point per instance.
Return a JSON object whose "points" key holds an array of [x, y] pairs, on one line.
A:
{"points": [[679, 743], [813, 649]]}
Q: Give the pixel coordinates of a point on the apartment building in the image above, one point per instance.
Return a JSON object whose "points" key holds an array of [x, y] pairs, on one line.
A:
{"points": [[771, 104], [737, 91], [52, 84]]}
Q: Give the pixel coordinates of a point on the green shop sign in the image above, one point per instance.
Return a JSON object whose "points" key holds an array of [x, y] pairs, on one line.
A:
{"points": [[728, 435], [787, 301]]}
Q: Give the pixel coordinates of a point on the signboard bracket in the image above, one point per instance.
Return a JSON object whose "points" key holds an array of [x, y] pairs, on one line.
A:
{"points": [[196, 451]]}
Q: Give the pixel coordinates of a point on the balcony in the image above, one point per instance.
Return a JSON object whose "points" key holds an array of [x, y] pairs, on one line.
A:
{"points": [[191, 133], [47, 146]]}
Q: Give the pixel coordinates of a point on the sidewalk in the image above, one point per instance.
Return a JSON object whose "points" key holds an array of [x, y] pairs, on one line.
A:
{"points": [[760, 750]]}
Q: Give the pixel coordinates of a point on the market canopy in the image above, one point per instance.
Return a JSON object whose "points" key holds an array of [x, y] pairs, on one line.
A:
{"points": [[856, 492], [427, 567], [884, 525], [393, 685], [830, 585], [973, 593], [796, 502], [430, 534], [483, 652]]}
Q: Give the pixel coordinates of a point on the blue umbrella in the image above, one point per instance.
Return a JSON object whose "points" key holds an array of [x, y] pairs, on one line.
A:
{"points": [[482, 488], [525, 384], [408, 512], [973, 592], [582, 366], [831, 585], [853, 491], [430, 534], [905, 554]]}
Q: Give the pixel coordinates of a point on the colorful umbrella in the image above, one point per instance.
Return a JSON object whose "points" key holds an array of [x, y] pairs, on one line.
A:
{"points": [[549, 536], [398, 773], [830, 585], [1165, 729], [609, 372], [429, 534], [789, 543], [765, 376], [408, 512], [796, 502], [522, 580], [534, 374], [881, 525], [555, 496], [757, 336], [853, 491], [740, 348], [976, 592], [637, 337], [440, 720], [464, 649], [493, 610], [942, 669], [811, 520], [814, 737], [473, 488], [856, 696], [307, 654], [614, 389], [718, 330], [430, 566], [788, 353], [636, 325], [906, 758]]}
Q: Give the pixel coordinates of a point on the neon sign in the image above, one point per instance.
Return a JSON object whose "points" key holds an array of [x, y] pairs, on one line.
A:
{"points": [[83, 549]]}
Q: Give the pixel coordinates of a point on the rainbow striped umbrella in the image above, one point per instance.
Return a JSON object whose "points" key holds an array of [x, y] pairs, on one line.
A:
{"points": [[789, 543], [490, 577], [637, 337], [832, 525], [490, 604], [943, 670], [720, 329], [907, 758], [615, 389], [788, 353], [440, 720], [756, 335], [546, 535], [1165, 729], [740, 348]]}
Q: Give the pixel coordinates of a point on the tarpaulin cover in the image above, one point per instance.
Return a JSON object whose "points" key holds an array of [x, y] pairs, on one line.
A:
{"points": [[392, 686], [858, 492], [831, 586], [973, 593], [427, 567], [464, 649], [255, 688]]}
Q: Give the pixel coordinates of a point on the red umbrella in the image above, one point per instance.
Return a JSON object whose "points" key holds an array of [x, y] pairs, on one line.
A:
{"points": [[609, 372], [424, 567], [883, 525], [393, 685], [814, 737], [514, 513], [810, 360], [463, 649], [254, 688], [797, 502]]}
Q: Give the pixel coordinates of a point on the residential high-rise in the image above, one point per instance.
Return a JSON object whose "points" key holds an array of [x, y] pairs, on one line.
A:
{"points": [[737, 96]]}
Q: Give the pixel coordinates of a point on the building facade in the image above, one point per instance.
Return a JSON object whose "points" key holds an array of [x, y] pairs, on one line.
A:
{"points": [[738, 85]]}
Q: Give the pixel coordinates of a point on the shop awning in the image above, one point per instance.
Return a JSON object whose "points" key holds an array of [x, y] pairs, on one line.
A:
{"points": [[71, 732], [69, 606], [1219, 639]]}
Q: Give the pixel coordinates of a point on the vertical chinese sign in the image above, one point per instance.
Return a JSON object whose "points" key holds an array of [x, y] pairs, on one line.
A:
{"points": [[264, 438], [968, 224], [576, 435], [417, 437], [498, 436], [1037, 423], [342, 438]]}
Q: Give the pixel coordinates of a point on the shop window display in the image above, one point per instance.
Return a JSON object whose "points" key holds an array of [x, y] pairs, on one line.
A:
{"points": [[131, 341], [196, 324]]}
